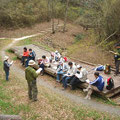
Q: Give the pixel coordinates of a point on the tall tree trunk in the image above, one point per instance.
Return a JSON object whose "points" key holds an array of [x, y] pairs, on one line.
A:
{"points": [[66, 12], [52, 15], [58, 21], [48, 11]]}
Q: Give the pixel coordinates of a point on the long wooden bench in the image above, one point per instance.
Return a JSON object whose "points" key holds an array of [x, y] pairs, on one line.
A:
{"points": [[51, 71]]}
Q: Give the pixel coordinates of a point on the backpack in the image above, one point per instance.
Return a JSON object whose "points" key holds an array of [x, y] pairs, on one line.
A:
{"points": [[65, 59], [107, 69], [110, 84], [99, 68], [34, 54]]}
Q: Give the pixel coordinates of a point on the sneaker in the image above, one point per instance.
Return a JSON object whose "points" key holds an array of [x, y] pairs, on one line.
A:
{"points": [[85, 90], [63, 89], [87, 98], [42, 73], [34, 100], [57, 80]]}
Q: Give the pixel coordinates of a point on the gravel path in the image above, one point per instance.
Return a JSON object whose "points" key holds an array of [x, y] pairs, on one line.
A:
{"points": [[77, 99]]}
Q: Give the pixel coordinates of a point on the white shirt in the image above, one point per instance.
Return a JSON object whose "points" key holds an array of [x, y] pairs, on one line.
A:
{"points": [[83, 74], [71, 71]]}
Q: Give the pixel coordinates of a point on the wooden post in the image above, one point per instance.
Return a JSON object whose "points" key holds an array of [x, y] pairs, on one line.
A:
{"points": [[10, 117], [52, 15]]}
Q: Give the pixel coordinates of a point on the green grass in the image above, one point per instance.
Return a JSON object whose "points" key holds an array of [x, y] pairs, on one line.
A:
{"points": [[14, 58], [10, 109], [34, 41], [105, 100], [80, 112], [79, 37], [9, 51], [25, 41], [6, 106]]}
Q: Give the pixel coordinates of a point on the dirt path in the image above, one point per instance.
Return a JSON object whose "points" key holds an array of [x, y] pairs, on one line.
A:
{"points": [[77, 99]]}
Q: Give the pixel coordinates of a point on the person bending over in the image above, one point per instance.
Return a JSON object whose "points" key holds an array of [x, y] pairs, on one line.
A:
{"points": [[69, 75], [98, 82], [57, 56], [31, 55], [79, 78], [44, 63], [61, 70]]}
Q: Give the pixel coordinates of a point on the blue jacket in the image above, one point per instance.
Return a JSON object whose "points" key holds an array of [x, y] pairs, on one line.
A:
{"points": [[32, 56], [99, 83], [62, 68]]}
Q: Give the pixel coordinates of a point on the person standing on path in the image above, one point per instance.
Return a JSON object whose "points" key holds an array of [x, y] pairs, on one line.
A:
{"points": [[6, 67], [31, 75], [117, 60]]}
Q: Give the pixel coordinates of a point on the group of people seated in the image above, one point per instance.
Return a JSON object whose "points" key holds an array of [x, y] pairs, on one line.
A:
{"points": [[27, 56], [73, 76], [69, 74]]}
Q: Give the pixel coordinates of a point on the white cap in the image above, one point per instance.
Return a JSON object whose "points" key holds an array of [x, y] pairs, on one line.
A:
{"points": [[78, 66], [31, 62], [56, 51], [6, 58]]}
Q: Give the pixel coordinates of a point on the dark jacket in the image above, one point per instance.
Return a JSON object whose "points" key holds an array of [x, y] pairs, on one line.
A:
{"points": [[32, 56], [6, 66]]}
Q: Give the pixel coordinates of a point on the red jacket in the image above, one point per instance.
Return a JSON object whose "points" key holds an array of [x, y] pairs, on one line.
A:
{"points": [[26, 54]]}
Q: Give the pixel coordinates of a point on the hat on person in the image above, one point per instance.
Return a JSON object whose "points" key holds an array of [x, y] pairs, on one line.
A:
{"points": [[6, 58], [56, 51], [78, 66], [31, 62]]}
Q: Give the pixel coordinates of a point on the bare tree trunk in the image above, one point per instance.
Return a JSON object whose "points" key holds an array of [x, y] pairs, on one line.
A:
{"points": [[66, 12], [48, 11], [52, 15], [58, 21]]}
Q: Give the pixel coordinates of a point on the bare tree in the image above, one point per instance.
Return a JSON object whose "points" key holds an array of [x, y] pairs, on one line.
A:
{"points": [[52, 16], [66, 13], [48, 11]]}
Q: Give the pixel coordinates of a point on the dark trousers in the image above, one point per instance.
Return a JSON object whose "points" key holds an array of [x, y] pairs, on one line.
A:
{"points": [[66, 79], [25, 61], [42, 66], [7, 75], [32, 90], [31, 58], [117, 64], [74, 82]]}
